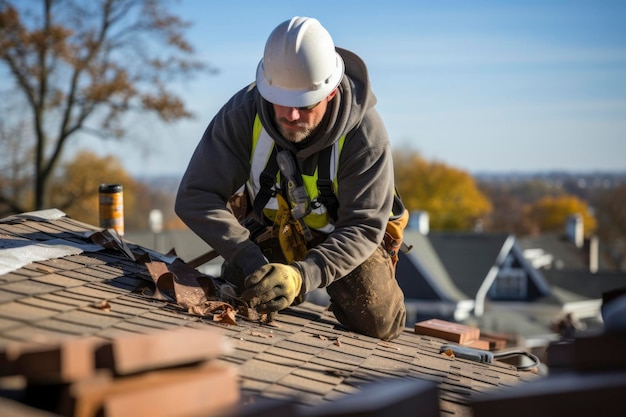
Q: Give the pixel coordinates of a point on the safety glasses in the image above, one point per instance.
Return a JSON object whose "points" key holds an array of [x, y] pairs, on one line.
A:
{"points": [[308, 108]]}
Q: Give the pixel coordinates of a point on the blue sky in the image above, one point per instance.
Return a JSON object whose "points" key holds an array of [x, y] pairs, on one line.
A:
{"points": [[483, 86]]}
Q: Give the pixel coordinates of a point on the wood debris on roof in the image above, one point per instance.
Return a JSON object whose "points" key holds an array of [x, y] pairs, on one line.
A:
{"points": [[62, 294]]}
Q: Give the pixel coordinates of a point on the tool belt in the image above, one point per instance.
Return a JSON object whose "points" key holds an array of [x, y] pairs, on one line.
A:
{"points": [[283, 242]]}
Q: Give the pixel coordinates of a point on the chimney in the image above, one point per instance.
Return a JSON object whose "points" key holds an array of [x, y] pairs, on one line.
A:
{"points": [[574, 230], [593, 254], [420, 221]]}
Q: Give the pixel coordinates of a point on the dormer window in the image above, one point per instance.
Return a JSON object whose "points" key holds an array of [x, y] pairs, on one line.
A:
{"points": [[511, 282]]}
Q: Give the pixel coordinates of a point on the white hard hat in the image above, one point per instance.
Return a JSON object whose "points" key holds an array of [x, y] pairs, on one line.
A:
{"points": [[300, 66]]}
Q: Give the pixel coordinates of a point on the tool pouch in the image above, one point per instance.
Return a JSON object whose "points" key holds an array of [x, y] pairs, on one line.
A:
{"points": [[239, 205], [394, 233]]}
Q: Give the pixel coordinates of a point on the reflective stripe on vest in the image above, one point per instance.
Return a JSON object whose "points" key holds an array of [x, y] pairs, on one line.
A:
{"points": [[262, 145]]}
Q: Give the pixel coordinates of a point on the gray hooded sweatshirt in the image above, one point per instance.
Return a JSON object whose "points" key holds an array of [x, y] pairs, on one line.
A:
{"points": [[220, 165]]}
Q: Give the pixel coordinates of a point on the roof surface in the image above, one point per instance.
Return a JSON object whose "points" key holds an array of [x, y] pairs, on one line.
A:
{"points": [[435, 283], [468, 257], [54, 279], [584, 284], [566, 254]]}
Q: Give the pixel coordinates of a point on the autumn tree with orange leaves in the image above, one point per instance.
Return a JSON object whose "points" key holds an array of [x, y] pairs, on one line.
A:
{"points": [[74, 190], [449, 195], [80, 66], [549, 214]]}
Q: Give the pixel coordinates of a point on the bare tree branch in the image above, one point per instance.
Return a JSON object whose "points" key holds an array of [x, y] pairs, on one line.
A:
{"points": [[91, 62]]}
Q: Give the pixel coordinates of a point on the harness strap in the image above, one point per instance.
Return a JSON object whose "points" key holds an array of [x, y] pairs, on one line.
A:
{"points": [[325, 185], [267, 180]]}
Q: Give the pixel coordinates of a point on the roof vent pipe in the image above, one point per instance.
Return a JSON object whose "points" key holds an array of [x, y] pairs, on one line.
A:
{"points": [[574, 230], [420, 221], [593, 254]]}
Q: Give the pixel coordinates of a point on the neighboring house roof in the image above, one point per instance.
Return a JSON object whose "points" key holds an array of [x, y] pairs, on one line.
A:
{"points": [[421, 273], [526, 330], [584, 284], [578, 290], [564, 253], [468, 257], [474, 260], [54, 280]]}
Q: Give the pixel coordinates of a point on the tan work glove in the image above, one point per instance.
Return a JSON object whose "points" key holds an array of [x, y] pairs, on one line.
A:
{"points": [[272, 287]]}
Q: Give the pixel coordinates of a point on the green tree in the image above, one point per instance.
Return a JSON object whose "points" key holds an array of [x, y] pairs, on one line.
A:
{"points": [[80, 66], [450, 196], [549, 214]]}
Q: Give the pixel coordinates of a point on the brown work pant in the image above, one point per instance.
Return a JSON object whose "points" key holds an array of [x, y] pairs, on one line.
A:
{"points": [[368, 300]]}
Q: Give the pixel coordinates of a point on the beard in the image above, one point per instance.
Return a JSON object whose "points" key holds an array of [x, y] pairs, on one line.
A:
{"points": [[294, 132]]}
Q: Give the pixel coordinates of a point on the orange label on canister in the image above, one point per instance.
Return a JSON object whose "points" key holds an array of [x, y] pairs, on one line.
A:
{"points": [[112, 207]]}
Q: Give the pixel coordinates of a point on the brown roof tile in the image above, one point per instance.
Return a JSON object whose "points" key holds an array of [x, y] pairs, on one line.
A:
{"points": [[305, 356]]}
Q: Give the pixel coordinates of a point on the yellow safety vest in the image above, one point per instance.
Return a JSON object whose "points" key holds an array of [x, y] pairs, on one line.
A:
{"points": [[262, 146]]}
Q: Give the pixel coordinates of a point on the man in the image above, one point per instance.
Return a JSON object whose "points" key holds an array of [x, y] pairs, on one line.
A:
{"points": [[314, 157]]}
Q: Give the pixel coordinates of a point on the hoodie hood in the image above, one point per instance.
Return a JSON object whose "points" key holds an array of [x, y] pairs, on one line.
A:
{"points": [[346, 111]]}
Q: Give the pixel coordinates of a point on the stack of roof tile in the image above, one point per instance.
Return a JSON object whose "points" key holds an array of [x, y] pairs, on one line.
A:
{"points": [[164, 373]]}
